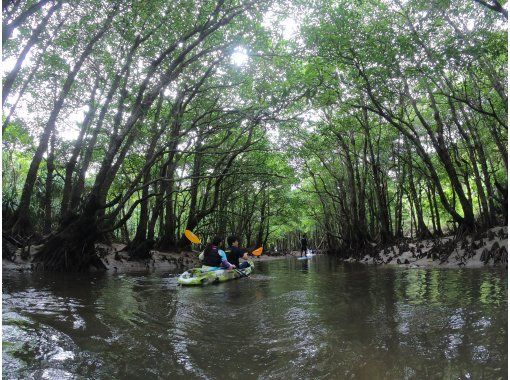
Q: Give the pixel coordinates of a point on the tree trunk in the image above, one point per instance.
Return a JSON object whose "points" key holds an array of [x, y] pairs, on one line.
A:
{"points": [[30, 77], [431, 207], [474, 165], [13, 74], [436, 209], [260, 233], [7, 29], [383, 213], [422, 232], [141, 230], [197, 170], [50, 167], [71, 164], [468, 221], [87, 157]]}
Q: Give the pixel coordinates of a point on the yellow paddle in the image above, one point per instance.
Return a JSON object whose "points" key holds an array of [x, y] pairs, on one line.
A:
{"points": [[192, 237]]}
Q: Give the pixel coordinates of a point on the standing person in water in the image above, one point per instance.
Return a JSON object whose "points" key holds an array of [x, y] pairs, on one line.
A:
{"points": [[234, 253], [304, 244], [214, 257]]}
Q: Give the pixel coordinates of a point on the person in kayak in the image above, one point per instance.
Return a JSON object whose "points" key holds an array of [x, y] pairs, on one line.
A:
{"points": [[214, 257], [304, 244], [234, 253]]}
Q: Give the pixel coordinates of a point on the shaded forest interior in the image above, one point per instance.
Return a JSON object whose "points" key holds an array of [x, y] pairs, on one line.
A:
{"points": [[359, 123]]}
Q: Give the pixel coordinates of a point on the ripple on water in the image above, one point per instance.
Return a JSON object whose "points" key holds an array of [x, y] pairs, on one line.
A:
{"points": [[54, 373], [480, 354], [483, 323], [453, 342], [456, 321], [28, 344], [61, 355]]}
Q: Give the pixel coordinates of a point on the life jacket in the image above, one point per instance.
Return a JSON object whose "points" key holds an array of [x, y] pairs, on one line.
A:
{"points": [[231, 257], [212, 258]]}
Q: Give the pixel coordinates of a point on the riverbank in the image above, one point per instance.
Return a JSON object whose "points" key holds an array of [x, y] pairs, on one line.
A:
{"points": [[489, 248], [116, 259]]}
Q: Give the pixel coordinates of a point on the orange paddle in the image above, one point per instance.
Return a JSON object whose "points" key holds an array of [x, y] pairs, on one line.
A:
{"points": [[192, 237], [258, 251]]}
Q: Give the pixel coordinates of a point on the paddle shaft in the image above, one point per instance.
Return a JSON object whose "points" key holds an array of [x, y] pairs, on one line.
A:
{"points": [[242, 274]]}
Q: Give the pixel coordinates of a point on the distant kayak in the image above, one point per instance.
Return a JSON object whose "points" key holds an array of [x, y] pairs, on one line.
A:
{"points": [[200, 276]]}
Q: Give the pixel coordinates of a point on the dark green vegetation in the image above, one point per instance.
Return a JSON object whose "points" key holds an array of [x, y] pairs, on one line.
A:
{"points": [[133, 120]]}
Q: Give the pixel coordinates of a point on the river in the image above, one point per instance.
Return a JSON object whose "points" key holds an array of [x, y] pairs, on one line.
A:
{"points": [[291, 320]]}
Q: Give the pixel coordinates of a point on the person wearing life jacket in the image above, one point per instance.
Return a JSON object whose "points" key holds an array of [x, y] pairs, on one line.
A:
{"points": [[214, 257], [234, 253]]}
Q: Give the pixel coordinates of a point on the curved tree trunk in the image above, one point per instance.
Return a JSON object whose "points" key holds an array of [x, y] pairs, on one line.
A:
{"points": [[141, 229], [71, 164], [7, 29], [422, 232], [48, 196], [30, 77], [34, 38]]}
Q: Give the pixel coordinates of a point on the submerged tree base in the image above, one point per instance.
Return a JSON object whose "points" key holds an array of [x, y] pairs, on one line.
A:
{"points": [[72, 249], [140, 250]]}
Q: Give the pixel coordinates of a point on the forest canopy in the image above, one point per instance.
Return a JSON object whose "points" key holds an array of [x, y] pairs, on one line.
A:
{"points": [[358, 122]]}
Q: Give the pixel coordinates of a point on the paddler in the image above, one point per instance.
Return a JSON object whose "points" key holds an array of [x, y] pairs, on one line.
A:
{"points": [[214, 257], [234, 253], [304, 245]]}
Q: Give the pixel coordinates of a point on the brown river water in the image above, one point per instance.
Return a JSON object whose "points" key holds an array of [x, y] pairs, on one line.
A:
{"points": [[311, 319]]}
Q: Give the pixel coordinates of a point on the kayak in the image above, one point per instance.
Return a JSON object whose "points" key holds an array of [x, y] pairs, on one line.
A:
{"points": [[202, 276], [307, 257]]}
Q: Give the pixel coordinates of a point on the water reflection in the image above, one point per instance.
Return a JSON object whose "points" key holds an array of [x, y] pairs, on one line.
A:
{"points": [[293, 319]]}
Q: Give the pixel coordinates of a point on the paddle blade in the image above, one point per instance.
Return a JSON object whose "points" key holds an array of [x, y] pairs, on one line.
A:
{"points": [[258, 251], [192, 237]]}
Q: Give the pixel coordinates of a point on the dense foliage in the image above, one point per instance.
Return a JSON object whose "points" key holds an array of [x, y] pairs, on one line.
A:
{"points": [[357, 122]]}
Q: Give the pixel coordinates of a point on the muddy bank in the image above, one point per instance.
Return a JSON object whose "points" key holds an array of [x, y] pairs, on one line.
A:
{"points": [[116, 259], [488, 248]]}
